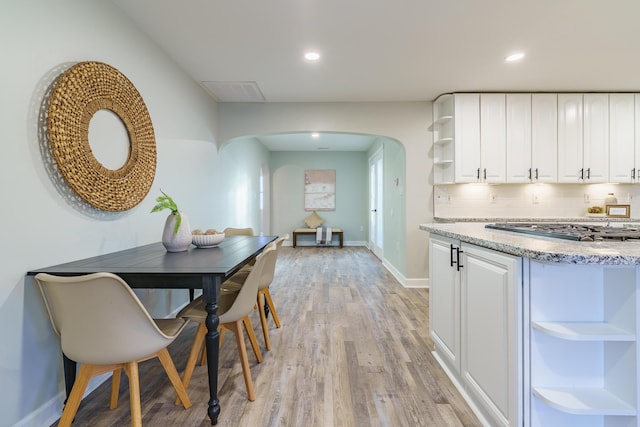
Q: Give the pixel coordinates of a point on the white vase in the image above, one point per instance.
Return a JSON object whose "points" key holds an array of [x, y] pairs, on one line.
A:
{"points": [[176, 241]]}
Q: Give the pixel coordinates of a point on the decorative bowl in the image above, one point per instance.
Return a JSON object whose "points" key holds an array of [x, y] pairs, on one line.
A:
{"points": [[207, 240]]}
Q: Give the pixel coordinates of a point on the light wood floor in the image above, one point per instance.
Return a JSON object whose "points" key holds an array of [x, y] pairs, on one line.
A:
{"points": [[353, 350]]}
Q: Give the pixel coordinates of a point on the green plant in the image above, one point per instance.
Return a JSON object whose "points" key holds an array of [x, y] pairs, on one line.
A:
{"points": [[166, 202]]}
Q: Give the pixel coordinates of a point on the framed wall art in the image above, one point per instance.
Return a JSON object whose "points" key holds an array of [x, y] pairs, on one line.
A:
{"points": [[320, 190]]}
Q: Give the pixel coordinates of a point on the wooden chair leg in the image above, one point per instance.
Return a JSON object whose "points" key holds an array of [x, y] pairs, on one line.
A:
{"points": [[194, 355], [115, 388], [272, 308], [236, 328], [252, 338], [170, 369], [73, 401], [131, 369]]}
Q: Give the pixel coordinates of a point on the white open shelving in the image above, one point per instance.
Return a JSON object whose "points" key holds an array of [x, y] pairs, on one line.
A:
{"points": [[443, 140], [583, 350]]}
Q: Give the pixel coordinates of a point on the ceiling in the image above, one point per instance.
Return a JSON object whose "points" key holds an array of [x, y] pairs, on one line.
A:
{"points": [[402, 50]]}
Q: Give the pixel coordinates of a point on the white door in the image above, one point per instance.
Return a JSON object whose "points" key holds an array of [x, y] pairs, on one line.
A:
{"points": [[375, 204]]}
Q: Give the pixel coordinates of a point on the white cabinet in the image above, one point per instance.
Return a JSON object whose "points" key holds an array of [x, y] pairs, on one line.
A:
{"points": [[444, 300], [476, 325], [583, 355], [493, 142], [583, 138], [519, 138], [622, 140], [595, 149], [570, 169], [480, 138], [491, 333], [544, 137], [467, 137]]}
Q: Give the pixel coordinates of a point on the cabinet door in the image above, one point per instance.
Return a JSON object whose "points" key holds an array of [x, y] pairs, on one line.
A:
{"points": [[596, 137], [467, 137], [519, 138], [493, 133], [444, 302], [544, 137], [491, 325], [570, 169], [637, 136], [621, 137]]}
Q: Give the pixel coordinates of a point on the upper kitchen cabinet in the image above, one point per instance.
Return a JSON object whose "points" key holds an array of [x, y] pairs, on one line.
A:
{"points": [[583, 138], [467, 137], [479, 138], [493, 138], [532, 137], [623, 149]]}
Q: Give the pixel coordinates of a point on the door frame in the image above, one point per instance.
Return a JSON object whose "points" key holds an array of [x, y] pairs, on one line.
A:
{"points": [[376, 211]]}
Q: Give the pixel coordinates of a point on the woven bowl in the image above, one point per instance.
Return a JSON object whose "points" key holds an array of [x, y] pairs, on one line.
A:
{"points": [[207, 240]]}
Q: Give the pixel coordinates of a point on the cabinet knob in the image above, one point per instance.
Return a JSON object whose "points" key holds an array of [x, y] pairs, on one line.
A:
{"points": [[536, 174], [582, 173], [588, 173], [529, 173], [633, 173]]}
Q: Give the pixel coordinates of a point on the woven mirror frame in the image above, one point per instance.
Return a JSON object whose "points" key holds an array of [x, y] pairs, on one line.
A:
{"points": [[79, 93]]}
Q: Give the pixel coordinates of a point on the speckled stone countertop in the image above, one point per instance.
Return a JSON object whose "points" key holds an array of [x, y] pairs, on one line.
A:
{"points": [[603, 219], [540, 248]]}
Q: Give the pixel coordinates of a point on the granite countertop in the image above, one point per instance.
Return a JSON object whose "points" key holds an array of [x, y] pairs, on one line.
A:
{"points": [[540, 248], [604, 219]]}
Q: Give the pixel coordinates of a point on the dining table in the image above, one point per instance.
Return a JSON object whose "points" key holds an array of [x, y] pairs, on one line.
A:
{"points": [[152, 267]]}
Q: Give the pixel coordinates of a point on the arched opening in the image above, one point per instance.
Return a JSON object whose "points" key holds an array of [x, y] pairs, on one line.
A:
{"points": [[277, 162]]}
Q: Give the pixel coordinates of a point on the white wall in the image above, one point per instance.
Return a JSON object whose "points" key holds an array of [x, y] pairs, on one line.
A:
{"points": [[40, 227], [406, 122]]}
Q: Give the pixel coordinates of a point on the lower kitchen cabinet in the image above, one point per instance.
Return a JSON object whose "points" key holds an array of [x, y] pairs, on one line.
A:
{"points": [[491, 333], [444, 300], [476, 325]]}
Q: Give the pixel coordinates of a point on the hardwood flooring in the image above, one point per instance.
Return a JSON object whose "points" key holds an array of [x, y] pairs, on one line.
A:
{"points": [[353, 350]]}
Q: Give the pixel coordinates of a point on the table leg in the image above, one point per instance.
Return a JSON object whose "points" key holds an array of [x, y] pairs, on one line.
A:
{"points": [[210, 292]]}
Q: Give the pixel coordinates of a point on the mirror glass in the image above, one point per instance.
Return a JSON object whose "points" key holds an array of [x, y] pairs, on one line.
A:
{"points": [[109, 139]]}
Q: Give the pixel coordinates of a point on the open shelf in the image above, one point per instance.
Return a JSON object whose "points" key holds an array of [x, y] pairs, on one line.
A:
{"points": [[584, 331], [584, 401], [443, 141]]}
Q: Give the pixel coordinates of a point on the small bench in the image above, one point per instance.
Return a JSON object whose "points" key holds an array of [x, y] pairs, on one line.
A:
{"points": [[312, 231]]}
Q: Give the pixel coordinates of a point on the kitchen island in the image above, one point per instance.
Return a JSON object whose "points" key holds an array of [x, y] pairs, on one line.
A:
{"points": [[536, 331]]}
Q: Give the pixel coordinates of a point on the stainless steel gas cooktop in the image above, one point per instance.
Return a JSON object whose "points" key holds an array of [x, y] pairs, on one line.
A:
{"points": [[577, 232]]}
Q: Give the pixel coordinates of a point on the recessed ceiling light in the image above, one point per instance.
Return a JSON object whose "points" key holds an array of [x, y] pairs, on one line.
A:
{"points": [[315, 135], [312, 56], [514, 57]]}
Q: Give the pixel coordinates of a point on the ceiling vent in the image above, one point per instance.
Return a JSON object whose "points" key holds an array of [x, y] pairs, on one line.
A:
{"points": [[235, 91]]}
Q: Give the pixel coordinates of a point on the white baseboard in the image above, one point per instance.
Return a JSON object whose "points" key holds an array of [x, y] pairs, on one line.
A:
{"points": [[417, 283], [51, 411]]}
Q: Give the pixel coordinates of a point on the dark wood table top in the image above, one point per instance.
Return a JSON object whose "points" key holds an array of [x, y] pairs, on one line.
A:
{"points": [[151, 266]]}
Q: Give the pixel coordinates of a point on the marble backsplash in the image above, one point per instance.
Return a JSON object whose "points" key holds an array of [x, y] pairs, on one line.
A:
{"points": [[529, 200]]}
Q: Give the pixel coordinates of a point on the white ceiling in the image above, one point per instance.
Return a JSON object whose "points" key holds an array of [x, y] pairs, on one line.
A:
{"points": [[398, 50]]}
